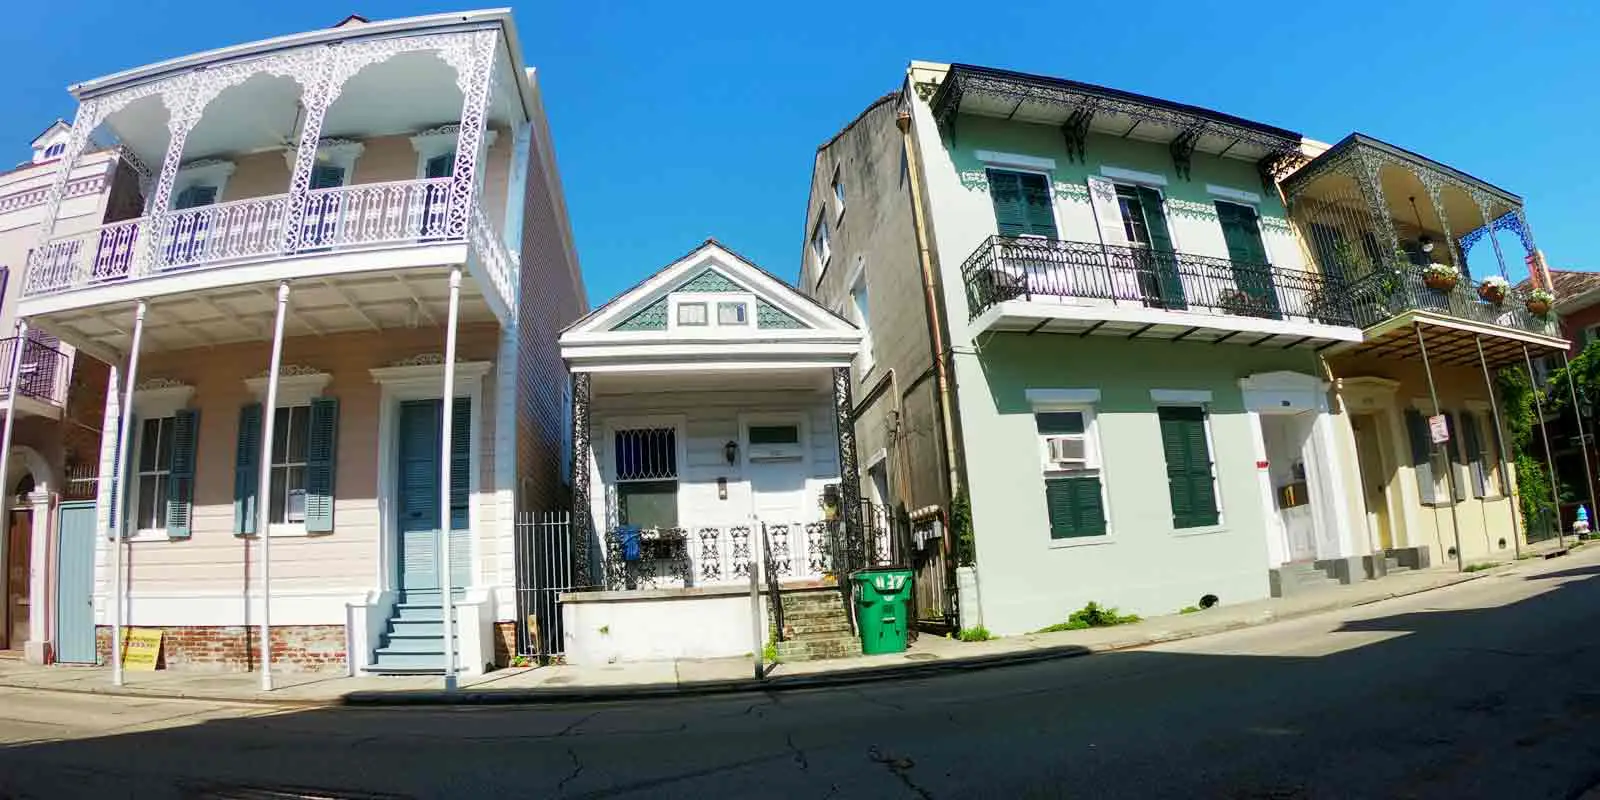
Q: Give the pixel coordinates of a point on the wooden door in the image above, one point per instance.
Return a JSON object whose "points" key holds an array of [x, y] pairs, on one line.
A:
{"points": [[19, 539]]}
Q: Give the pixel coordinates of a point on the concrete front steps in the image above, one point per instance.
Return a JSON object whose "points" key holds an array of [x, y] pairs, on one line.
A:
{"points": [[816, 626], [1300, 577], [413, 641]]}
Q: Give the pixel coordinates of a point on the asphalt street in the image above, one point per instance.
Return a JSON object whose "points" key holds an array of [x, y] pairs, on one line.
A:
{"points": [[1489, 689]]}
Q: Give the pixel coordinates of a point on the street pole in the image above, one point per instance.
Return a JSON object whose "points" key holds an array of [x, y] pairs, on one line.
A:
{"points": [[269, 416], [446, 453], [118, 521]]}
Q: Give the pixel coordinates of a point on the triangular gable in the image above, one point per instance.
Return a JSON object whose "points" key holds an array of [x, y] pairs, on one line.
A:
{"points": [[654, 316], [710, 268]]}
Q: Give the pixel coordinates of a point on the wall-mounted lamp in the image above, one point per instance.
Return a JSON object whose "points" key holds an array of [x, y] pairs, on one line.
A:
{"points": [[722, 488], [730, 451]]}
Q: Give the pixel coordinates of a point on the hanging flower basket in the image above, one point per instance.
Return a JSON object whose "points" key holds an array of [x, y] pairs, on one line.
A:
{"points": [[1539, 302], [1493, 289], [1440, 277]]}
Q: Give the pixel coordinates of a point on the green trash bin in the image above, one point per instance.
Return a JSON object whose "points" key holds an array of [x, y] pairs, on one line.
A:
{"points": [[883, 600]]}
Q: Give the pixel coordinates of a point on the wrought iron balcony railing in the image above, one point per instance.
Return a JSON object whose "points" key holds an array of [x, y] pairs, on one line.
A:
{"points": [[42, 374], [1024, 268], [1391, 290], [357, 217]]}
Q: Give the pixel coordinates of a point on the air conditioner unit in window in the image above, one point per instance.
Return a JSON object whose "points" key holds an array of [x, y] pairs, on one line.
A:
{"points": [[1068, 452]]}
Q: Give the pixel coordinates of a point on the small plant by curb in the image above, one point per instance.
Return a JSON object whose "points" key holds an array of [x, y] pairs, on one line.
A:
{"points": [[1190, 610], [1481, 566], [1092, 615], [978, 634]]}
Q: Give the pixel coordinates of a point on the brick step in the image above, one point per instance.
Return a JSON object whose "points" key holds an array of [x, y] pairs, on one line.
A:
{"points": [[821, 648], [804, 629]]}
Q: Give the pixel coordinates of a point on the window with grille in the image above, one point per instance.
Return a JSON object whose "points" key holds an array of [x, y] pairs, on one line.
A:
{"points": [[647, 477]]}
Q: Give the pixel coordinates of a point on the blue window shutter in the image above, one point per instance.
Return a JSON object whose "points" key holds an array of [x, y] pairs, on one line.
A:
{"points": [[180, 486], [119, 511], [247, 470], [1421, 455], [321, 452], [460, 462]]}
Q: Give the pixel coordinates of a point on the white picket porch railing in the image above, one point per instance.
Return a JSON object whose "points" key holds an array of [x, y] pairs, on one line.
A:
{"points": [[345, 218]]}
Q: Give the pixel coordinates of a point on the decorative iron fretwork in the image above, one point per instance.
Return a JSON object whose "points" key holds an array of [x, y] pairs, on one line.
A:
{"points": [[964, 80], [926, 90], [473, 66], [1025, 268], [1182, 149], [779, 558], [1397, 289], [849, 470], [1277, 165], [582, 508], [647, 558], [739, 551], [1075, 131], [817, 560], [1368, 171], [710, 554]]}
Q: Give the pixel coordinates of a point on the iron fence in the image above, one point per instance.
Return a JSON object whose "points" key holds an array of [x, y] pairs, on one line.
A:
{"points": [[1026, 268], [1390, 290], [543, 552], [42, 374]]}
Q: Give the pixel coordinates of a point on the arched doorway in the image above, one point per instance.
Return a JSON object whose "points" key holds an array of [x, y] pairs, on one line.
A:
{"points": [[26, 475]]}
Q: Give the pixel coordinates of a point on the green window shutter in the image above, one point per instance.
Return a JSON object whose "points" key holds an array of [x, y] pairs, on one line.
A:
{"points": [[1456, 456], [247, 470], [1037, 208], [1005, 192], [1421, 459], [460, 462], [180, 483], [1189, 479], [1166, 262], [322, 446], [1074, 507]]}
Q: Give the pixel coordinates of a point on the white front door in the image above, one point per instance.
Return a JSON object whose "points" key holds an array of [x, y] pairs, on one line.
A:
{"points": [[775, 468]]}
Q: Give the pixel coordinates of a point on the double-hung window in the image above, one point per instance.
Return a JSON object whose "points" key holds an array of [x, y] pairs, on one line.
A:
{"points": [[821, 247], [647, 477], [162, 488], [1427, 461], [1191, 478], [1482, 465], [155, 473], [1073, 488], [291, 430]]}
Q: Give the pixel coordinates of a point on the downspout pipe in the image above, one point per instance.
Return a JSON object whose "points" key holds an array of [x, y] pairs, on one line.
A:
{"points": [[936, 323]]}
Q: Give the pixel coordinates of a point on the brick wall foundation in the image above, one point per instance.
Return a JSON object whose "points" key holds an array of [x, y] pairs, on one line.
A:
{"points": [[505, 643], [234, 648]]}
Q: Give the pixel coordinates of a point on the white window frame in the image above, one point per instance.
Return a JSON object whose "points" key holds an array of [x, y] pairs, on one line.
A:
{"points": [[1493, 472], [1192, 398], [1085, 402], [611, 502], [287, 528], [802, 428], [714, 327], [865, 358], [705, 314], [341, 153], [1437, 457], [162, 402], [431, 144], [136, 477]]}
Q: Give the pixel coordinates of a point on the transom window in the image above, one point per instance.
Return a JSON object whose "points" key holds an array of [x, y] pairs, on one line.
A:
{"points": [[291, 430], [647, 477], [155, 473], [774, 434]]}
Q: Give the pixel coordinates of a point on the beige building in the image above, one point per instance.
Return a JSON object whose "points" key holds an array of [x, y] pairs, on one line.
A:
{"points": [[362, 228]]}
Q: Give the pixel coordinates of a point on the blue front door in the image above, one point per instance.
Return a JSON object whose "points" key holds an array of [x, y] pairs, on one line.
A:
{"points": [[75, 583], [418, 503]]}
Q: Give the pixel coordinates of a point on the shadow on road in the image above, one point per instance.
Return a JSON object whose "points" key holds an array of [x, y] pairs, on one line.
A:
{"points": [[1483, 702]]}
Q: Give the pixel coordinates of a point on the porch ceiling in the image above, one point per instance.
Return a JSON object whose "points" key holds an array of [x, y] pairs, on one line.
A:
{"points": [[1450, 342], [369, 301], [819, 379]]}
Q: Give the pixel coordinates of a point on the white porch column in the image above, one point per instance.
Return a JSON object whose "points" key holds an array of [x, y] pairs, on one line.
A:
{"points": [[185, 100], [269, 415], [38, 646], [447, 412], [13, 371], [87, 119], [118, 524], [1327, 467]]}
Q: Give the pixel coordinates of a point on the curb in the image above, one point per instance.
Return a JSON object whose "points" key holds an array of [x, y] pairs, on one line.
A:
{"points": [[913, 670]]}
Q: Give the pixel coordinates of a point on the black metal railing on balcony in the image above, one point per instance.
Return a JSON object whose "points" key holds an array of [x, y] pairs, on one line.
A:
{"points": [[42, 374], [1390, 290], [1022, 268]]}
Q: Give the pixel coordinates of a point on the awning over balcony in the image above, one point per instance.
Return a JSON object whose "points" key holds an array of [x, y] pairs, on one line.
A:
{"points": [[1078, 108], [1451, 341]]}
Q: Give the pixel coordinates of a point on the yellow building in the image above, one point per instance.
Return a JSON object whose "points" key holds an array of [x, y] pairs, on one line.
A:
{"points": [[1420, 424]]}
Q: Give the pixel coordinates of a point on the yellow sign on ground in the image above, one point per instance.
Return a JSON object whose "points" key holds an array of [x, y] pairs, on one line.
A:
{"points": [[142, 649]]}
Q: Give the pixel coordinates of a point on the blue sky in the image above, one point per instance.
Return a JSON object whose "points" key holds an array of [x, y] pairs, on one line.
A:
{"points": [[682, 120]]}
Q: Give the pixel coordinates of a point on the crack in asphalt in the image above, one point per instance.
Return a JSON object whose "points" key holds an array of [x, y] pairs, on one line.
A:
{"points": [[901, 768], [799, 755], [877, 701], [576, 723], [577, 769]]}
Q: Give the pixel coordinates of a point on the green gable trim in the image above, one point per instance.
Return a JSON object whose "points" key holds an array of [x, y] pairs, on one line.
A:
{"points": [[709, 281], [652, 318], [770, 316]]}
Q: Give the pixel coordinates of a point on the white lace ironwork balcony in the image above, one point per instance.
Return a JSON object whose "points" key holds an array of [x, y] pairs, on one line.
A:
{"points": [[346, 218]]}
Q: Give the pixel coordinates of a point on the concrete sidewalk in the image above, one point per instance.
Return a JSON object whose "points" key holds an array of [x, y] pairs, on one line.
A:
{"points": [[928, 655]]}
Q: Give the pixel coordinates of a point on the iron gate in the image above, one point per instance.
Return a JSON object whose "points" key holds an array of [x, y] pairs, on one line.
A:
{"points": [[544, 570]]}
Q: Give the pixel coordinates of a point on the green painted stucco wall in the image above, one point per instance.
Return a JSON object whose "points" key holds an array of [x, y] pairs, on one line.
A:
{"points": [[1144, 565]]}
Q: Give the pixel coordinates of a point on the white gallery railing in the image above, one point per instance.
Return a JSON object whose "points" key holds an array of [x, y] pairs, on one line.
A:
{"points": [[364, 216]]}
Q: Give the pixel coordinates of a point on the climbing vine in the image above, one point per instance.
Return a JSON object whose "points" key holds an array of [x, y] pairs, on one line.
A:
{"points": [[1533, 480]]}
